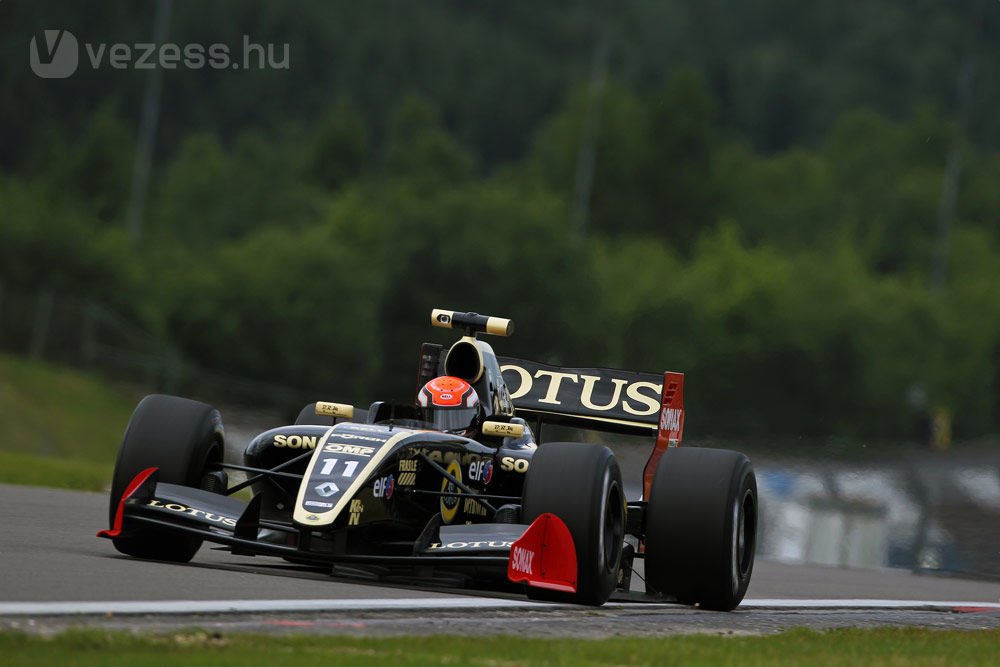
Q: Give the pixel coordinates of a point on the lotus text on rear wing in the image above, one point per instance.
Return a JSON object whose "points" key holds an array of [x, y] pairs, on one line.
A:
{"points": [[609, 392]]}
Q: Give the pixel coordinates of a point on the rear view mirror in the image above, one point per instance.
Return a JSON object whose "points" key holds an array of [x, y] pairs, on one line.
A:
{"points": [[337, 410], [503, 429]]}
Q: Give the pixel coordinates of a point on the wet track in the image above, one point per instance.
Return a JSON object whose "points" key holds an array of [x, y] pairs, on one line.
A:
{"points": [[50, 555]]}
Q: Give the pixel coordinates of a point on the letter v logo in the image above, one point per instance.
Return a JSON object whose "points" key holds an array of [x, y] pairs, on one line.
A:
{"points": [[58, 56]]}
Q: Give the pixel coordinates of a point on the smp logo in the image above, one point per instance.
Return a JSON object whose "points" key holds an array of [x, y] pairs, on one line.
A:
{"points": [[56, 56]]}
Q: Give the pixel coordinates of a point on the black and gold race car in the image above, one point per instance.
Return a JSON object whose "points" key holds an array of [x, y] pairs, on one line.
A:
{"points": [[457, 487]]}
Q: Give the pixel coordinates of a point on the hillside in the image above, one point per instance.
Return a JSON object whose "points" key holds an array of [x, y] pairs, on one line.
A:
{"points": [[58, 427]]}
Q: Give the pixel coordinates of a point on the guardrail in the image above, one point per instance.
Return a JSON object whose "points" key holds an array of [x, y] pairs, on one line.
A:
{"points": [[933, 512]]}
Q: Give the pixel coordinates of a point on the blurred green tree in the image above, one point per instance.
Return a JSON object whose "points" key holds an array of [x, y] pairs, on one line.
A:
{"points": [[95, 167], [680, 177], [419, 150], [47, 242], [290, 306], [208, 195], [340, 146]]}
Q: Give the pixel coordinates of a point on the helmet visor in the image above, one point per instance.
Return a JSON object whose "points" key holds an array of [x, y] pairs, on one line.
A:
{"points": [[452, 419]]}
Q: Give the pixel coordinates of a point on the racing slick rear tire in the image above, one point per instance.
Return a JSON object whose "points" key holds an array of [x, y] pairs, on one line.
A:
{"points": [[180, 437], [582, 485], [701, 527]]}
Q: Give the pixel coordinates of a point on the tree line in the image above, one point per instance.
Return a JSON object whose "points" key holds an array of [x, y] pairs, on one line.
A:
{"points": [[780, 241]]}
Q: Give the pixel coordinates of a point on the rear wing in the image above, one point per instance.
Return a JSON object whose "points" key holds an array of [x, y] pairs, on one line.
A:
{"points": [[602, 399], [594, 398]]}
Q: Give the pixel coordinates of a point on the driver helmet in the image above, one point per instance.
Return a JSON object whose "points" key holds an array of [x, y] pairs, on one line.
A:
{"points": [[450, 404]]}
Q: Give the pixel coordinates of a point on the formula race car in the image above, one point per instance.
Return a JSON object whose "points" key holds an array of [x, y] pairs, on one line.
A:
{"points": [[456, 488]]}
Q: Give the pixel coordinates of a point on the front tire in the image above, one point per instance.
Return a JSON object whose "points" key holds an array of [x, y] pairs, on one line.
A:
{"points": [[701, 527], [582, 485], [180, 437]]}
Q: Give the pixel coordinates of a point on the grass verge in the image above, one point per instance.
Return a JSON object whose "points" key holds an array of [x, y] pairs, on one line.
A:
{"points": [[58, 427], [54, 411], [894, 646], [33, 470]]}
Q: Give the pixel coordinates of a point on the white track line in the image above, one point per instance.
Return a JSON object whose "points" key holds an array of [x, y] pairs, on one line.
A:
{"points": [[765, 603], [384, 604], [227, 606]]}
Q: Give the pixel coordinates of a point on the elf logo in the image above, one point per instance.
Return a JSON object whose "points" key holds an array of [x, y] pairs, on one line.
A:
{"points": [[481, 471], [384, 487]]}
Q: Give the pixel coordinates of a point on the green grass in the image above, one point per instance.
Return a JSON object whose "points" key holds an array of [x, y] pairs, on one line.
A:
{"points": [[797, 647], [63, 474], [58, 427]]}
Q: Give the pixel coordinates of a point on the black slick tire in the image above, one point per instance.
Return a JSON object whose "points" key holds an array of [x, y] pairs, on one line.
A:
{"points": [[701, 527], [180, 437], [582, 485]]}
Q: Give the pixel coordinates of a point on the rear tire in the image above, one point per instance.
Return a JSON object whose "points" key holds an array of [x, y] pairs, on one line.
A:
{"points": [[701, 527], [180, 437], [582, 485]]}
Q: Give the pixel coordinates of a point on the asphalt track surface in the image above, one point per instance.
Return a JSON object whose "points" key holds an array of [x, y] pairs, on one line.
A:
{"points": [[57, 574]]}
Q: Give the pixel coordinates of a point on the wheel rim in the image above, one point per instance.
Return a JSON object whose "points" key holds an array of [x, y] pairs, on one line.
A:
{"points": [[613, 525], [744, 535]]}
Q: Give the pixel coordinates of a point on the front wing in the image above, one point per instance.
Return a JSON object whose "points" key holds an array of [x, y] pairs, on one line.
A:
{"points": [[535, 554]]}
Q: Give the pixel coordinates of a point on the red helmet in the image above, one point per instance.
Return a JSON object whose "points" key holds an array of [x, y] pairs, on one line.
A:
{"points": [[451, 404]]}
